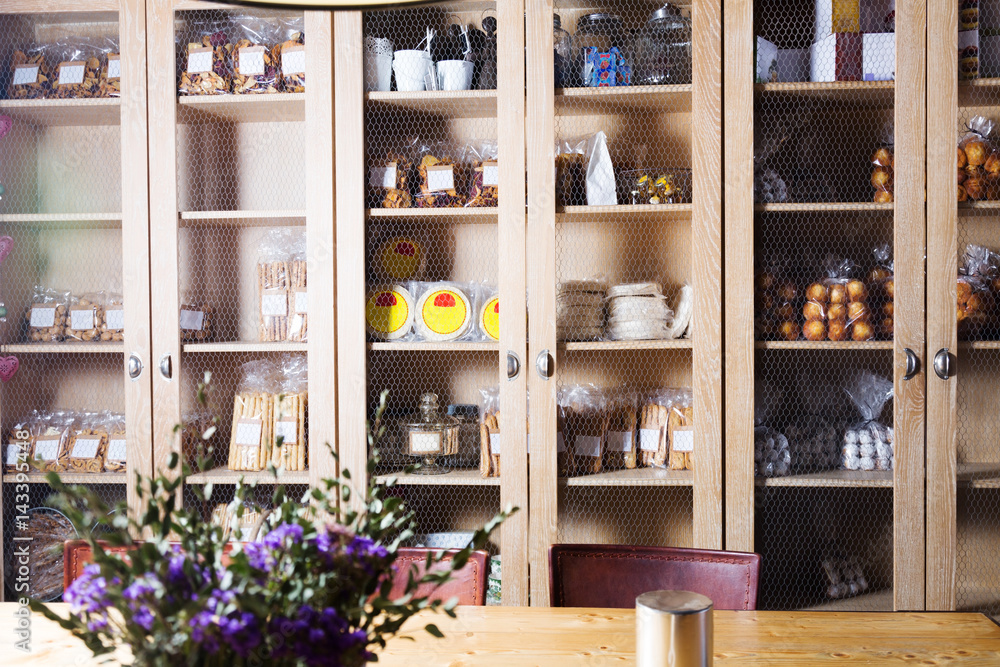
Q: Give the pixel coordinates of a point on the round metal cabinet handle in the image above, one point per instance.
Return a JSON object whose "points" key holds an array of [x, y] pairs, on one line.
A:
{"points": [[166, 367], [942, 363], [134, 366], [543, 364], [513, 365], [912, 364]]}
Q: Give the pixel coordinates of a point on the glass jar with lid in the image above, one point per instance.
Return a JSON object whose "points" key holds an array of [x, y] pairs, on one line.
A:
{"points": [[431, 435], [603, 50], [663, 48], [562, 46]]}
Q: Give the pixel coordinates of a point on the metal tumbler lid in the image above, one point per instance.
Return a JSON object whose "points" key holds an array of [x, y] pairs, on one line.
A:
{"points": [[674, 602]]}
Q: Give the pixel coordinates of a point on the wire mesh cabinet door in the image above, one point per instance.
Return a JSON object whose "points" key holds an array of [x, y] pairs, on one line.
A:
{"points": [[431, 280], [963, 459], [624, 266], [825, 300], [243, 158], [74, 280]]}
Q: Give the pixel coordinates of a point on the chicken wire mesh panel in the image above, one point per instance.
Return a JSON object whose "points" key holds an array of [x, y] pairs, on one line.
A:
{"points": [[220, 507]]}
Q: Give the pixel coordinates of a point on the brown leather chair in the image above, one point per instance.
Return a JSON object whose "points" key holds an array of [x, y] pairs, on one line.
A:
{"points": [[597, 575], [468, 584], [77, 554]]}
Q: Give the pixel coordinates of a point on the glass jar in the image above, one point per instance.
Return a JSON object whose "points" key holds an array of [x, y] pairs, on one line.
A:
{"points": [[603, 51], [562, 46], [663, 48], [431, 435]]}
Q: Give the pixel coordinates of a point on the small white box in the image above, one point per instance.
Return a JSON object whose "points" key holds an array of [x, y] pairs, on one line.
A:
{"points": [[879, 56], [767, 61], [793, 65], [836, 58]]}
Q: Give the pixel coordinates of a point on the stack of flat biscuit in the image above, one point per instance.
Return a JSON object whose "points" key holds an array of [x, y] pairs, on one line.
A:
{"points": [[580, 310], [638, 311]]}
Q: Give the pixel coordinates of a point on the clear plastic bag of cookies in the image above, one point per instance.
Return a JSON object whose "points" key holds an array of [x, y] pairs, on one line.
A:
{"points": [[31, 74], [586, 425], [298, 294], [489, 432], [195, 320], [390, 178], [653, 415], [273, 285], [484, 178], [206, 67], [51, 445], [76, 69], [836, 307], [881, 284], [883, 167], [253, 416], [680, 429], [110, 80], [290, 54], [777, 301], [623, 420], [289, 442], [116, 459], [441, 178], [19, 448], [868, 444], [978, 162], [87, 443], [86, 318], [112, 327], [976, 303], [47, 316], [255, 71]]}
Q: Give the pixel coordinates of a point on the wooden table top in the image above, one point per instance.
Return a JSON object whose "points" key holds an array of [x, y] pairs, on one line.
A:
{"points": [[514, 636]]}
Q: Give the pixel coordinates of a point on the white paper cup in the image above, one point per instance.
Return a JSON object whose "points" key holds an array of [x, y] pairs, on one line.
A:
{"points": [[455, 74], [410, 67], [378, 72]]}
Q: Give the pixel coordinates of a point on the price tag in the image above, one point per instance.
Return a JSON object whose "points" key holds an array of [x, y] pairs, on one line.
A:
{"points": [[42, 318], [25, 74], [248, 432], [491, 173], [200, 60], [47, 449], [71, 73], [251, 61], [192, 320], [649, 439], [301, 302], [85, 449], [114, 320], [620, 441], [293, 59], [287, 430], [588, 445], [82, 319], [425, 443], [440, 178], [114, 66], [683, 439], [274, 303], [117, 449], [382, 177], [494, 443]]}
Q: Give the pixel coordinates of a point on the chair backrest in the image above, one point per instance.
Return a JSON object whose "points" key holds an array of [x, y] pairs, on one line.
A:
{"points": [[468, 584], [598, 575], [77, 554]]}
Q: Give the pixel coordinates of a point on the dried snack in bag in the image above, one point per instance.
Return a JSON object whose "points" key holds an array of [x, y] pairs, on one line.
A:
{"points": [[273, 285], [621, 443], [571, 174], [289, 445], [298, 296], [116, 459], [290, 54], [489, 432], [777, 303], [31, 75], [976, 303], [88, 444], [110, 83], [441, 179], [255, 70], [390, 183], [836, 307], [484, 184], [868, 444], [86, 318], [881, 283], [195, 321], [978, 162], [585, 412], [50, 446], [652, 432], [883, 168], [77, 69], [680, 430], [253, 417], [19, 449], [47, 316], [207, 66], [112, 328]]}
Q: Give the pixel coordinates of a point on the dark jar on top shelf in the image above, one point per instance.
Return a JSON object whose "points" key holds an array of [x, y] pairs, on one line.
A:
{"points": [[562, 46], [603, 51]]}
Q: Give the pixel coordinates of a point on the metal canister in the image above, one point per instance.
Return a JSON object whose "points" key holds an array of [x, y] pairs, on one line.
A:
{"points": [[673, 629]]}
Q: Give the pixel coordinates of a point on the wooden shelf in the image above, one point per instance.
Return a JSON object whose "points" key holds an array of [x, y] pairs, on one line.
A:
{"points": [[276, 108], [979, 475], [881, 600], [634, 477], [466, 213], [623, 213], [477, 346], [823, 345], [612, 345], [854, 479], [457, 477], [64, 348], [600, 101], [69, 477], [451, 103], [833, 207], [979, 345], [66, 220], [856, 93], [292, 217], [64, 113], [245, 347], [226, 476]]}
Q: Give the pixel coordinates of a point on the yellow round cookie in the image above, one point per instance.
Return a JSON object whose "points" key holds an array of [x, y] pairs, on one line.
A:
{"points": [[489, 318], [401, 258], [443, 314], [389, 312]]}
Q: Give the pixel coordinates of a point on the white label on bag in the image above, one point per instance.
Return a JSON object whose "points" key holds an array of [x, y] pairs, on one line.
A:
{"points": [[71, 73], [81, 320], [440, 178], [192, 320], [588, 445], [649, 439], [114, 67], [47, 450], [251, 61], [620, 441], [25, 74], [302, 302], [683, 439], [274, 305], [42, 318], [117, 450], [293, 60], [200, 60], [560, 443], [85, 449], [491, 173], [11, 453], [288, 430], [382, 177], [425, 443], [114, 320], [494, 443], [248, 432]]}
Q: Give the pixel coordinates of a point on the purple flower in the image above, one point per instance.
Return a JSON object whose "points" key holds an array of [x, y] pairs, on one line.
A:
{"points": [[87, 595], [278, 537], [259, 556], [212, 628], [323, 639], [140, 594]]}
